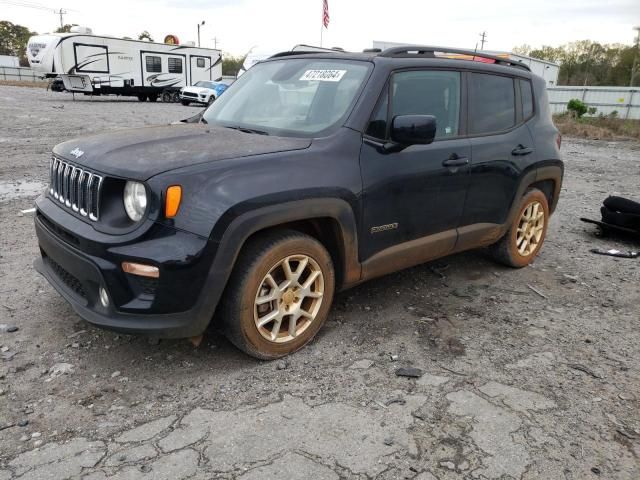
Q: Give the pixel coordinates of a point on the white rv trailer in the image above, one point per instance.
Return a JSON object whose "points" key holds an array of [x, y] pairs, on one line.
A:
{"points": [[99, 65]]}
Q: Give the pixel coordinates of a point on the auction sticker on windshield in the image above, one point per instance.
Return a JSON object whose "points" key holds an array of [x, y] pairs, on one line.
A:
{"points": [[323, 75]]}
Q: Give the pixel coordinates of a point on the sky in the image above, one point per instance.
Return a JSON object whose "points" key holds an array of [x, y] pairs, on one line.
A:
{"points": [[239, 25]]}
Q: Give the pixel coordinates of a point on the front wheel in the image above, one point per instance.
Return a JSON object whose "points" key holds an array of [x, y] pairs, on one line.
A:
{"points": [[279, 294], [211, 100], [153, 97], [185, 102], [525, 237], [142, 98]]}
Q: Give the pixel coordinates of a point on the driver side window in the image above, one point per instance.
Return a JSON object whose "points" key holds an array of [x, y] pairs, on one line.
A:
{"points": [[420, 92]]}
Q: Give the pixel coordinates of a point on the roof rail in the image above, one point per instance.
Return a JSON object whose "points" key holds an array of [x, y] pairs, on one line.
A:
{"points": [[445, 52]]}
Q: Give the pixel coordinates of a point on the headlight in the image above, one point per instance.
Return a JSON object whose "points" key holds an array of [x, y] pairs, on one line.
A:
{"points": [[135, 200]]}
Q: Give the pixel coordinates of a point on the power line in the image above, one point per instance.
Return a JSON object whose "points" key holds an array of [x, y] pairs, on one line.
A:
{"points": [[36, 6]]}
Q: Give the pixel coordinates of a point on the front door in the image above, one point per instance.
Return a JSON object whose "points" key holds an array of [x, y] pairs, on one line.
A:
{"points": [[420, 190]]}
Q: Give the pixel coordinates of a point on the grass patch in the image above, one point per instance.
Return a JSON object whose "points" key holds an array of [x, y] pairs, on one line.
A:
{"points": [[597, 128]]}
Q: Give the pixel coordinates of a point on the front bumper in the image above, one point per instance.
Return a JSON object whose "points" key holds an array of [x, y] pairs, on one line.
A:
{"points": [[197, 99], [171, 307]]}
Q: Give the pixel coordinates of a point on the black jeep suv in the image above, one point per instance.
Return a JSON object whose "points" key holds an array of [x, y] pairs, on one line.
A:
{"points": [[313, 173]]}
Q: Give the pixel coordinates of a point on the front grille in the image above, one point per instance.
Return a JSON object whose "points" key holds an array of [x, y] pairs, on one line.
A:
{"points": [[68, 279], [189, 94], [147, 285], [59, 231], [75, 188]]}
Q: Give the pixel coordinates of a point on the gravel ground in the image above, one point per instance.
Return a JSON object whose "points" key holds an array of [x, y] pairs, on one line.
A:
{"points": [[516, 384]]}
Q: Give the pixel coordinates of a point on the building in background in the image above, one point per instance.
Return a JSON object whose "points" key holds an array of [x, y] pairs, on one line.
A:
{"points": [[547, 70]]}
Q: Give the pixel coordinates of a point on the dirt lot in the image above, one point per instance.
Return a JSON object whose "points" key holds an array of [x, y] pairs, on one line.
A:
{"points": [[516, 384]]}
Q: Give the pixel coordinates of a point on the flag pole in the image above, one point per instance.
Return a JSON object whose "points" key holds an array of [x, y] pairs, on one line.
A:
{"points": [[321, 24]]}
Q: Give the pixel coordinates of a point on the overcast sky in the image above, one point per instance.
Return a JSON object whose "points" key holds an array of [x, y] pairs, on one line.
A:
{"points": [[240, 24]]}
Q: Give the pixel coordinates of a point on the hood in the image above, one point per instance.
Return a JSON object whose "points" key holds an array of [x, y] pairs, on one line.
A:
{"points": [[141, 153], [197, 90]]}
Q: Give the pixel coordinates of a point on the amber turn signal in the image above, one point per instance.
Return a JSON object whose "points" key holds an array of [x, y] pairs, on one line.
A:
{"points": [[141, 269], [172, 201]]}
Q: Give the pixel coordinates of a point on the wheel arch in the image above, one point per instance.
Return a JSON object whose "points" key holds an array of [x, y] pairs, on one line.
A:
{"points": [[331, 221]]}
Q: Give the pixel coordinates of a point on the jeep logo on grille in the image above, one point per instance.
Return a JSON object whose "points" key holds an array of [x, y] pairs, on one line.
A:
{"points": [[76, 152]]}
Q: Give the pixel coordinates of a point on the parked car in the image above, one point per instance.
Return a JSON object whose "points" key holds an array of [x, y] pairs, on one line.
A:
{"points": [[313, 173], [204, 92]]}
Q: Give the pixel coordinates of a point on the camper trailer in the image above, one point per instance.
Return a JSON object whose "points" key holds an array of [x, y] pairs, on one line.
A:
{"points": [[98, 65]]}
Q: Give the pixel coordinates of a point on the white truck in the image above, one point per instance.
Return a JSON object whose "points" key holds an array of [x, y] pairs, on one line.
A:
{"points": [[100, 65]]}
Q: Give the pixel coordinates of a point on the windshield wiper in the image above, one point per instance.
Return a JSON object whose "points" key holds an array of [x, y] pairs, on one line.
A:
{"points": [[247, 130]]}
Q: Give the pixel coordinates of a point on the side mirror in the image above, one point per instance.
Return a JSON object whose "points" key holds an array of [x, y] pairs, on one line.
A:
{"points": [[413, 129]]}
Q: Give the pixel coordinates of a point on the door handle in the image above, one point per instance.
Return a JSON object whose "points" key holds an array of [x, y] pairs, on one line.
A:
{"points": [[521, 150], [455, 161]]}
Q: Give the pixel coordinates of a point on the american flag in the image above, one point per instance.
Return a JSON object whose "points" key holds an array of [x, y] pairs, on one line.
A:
{"points": [[325, 13]]}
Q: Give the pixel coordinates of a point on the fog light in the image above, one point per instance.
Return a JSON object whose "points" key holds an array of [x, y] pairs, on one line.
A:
{"points": [[104, 297]]}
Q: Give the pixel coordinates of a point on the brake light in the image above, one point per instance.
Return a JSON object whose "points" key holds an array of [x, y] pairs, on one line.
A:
{"points": [[559, 141]]}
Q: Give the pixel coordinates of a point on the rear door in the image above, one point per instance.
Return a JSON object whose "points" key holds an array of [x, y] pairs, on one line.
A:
{"points": [[501, 147], [200, 68]]}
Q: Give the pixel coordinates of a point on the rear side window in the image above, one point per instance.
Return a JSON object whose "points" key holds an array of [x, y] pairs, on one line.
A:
{"points": [[175, 65], [154, 64], [492, 105], [527, 98]]}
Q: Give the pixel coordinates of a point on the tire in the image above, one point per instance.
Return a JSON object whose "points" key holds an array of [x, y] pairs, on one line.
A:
{"points": [[142, 98], [166, 96], [185, 102], [175, 97], [211, 100], [153, 97], [518, 248], [265, 256]]}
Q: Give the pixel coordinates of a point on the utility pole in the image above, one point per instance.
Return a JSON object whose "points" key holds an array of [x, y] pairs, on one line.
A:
{"points": [[635, 57], [199, 25], [483, 36], [61, 12], [215, 42]]}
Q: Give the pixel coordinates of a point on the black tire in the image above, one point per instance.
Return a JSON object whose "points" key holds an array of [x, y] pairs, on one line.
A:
{"points": [[211, 100], [185, 102], [166, 96], [175, 97], [259, 257], [142, 98], [153, 97], [506, 250]]}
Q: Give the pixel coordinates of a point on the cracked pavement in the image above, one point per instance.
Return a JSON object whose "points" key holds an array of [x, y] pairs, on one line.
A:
{"points": [[515, 386]]}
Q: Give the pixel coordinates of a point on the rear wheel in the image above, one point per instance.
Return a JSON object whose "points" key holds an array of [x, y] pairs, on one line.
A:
{"points": [[175, 97], [153, 97], [142, 98], [166, 96], [524, 239], [279, 294]]}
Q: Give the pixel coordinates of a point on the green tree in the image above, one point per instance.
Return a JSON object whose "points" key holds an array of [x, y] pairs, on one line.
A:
{"points": [[145, 35], [66, 28], [13, 41], [231, 64]]}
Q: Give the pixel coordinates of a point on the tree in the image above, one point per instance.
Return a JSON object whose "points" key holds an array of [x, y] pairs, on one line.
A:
{"points": [[13, 41], [66, 28], [145, 35], [231, 65]]}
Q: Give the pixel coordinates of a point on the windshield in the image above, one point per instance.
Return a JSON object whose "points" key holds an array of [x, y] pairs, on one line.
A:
{"points": [[204, 84], [299, 97]]}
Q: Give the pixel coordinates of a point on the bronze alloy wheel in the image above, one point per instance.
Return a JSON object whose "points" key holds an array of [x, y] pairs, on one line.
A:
{"points": [[279, 294], [522, 242], [289, 298], [530, 229]]}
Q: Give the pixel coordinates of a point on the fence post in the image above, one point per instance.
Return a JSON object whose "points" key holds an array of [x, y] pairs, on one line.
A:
{"points": [[630, 105]]}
